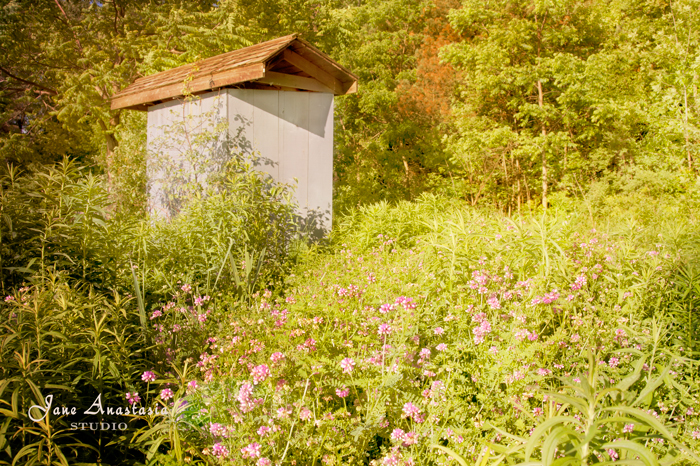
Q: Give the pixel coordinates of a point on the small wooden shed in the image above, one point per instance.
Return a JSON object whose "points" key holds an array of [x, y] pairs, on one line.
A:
{"points": [[276, 98]]}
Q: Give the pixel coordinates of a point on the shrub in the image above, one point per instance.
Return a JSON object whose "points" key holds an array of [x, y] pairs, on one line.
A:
{"points": [[418, 348]]}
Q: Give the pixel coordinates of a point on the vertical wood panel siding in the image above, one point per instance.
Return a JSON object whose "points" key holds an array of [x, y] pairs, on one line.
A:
{"points": [[292, 132]]}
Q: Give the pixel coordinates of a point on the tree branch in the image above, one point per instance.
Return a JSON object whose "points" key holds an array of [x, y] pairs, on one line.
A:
{"points": [[31, 83], [77, 41]]}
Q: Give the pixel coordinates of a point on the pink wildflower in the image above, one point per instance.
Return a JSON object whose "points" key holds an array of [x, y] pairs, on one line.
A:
{"points": [[251, 451], [166, 394], [219, 450], [347, 365], [133, 398], [412, 411], [148, 376], [385, 308], [217, 429], [397, 435], [244, 393], [305, 414], [260, 373], [277, 357], [481, 331]]}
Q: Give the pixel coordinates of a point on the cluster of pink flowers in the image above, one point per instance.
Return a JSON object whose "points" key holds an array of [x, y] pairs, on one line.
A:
{"points": [[522, 334], [386, 308], [253, 450], [307, 346], [580, 282], [342, 392], [412, 411], [621, 336], [219, 450], [547, 298], [148, 376], [384, 329], [524, 284], [436, 390], [423, 355], [133, 398], [514, 377], [260, 373], [281, 317], [199, 300], [244, 397], [218, 430], [481, 331], [405, 438], [493, 302], [305, 414], [276, 357], [479, 281], [166, 394], [407, 303]]}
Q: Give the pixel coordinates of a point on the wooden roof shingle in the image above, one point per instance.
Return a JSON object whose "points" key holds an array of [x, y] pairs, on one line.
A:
{"points": [[288, 63]]}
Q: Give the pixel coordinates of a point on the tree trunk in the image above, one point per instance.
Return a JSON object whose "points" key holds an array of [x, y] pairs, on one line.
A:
{"points": [[540, 101], [112, 144], [685, 128]]}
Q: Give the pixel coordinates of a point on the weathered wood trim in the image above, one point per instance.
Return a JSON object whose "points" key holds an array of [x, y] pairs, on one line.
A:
{"points": [[322, 76], [299, 82], [199, 84]]}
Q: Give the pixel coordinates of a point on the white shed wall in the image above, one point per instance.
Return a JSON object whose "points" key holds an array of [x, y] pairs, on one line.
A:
{"points": [[292, 132]]}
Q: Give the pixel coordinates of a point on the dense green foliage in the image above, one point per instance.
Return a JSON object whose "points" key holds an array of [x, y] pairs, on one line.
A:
{"points": [[512, 276], [495, 102]]}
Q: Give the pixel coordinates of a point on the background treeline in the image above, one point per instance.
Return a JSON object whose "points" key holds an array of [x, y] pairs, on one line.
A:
{"points": [[499, 103]]}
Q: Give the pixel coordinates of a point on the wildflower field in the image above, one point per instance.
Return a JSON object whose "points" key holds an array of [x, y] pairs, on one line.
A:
{"points": [[427, 332]]}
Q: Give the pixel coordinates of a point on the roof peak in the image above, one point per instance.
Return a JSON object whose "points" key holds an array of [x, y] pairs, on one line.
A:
{"points": [[285, 63]]}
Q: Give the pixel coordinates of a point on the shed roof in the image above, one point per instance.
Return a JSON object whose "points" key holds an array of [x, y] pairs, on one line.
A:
{"points": [[286, 63]]}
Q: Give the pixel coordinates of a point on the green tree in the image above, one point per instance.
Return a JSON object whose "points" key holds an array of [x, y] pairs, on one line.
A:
{"points": [[557, 94], [64, 59]]}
